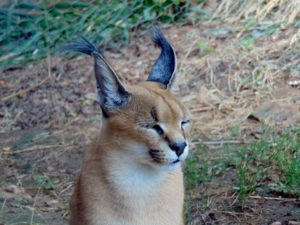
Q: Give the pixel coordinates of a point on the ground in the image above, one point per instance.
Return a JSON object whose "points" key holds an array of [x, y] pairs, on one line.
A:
{"points": [[48, 117]]}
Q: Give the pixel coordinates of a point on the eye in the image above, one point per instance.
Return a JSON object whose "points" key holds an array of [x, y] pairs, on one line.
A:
{"points": [[185, 122], [158, 129]]}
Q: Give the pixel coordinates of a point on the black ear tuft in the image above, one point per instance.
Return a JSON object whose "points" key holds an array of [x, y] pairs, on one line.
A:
{"points": [[83, 46], [165, 66], [112, 94]]}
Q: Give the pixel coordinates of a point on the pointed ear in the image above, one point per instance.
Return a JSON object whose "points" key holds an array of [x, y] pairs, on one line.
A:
{"points": [[112, 94], [163, 70]]}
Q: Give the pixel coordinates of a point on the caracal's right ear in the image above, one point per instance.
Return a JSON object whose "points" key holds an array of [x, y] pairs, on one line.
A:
{"points": [[163, 70], [112, 94]]}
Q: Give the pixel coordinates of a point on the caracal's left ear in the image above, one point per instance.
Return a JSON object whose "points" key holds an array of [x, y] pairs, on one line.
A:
{"points": [[112, 94], [163, 70]]}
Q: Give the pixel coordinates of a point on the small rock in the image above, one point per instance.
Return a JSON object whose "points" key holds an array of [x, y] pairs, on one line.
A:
{"points": [[273, 113], [276, 223], [50, 168], [293, 223], [51, 202], [13, 189]]}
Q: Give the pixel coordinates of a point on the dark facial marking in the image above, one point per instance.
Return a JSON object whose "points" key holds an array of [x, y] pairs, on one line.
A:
{"points": [[153, 113], [158, 129], [156, 155]]}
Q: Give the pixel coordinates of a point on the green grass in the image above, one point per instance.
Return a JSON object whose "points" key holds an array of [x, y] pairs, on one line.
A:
{"points": [[267, 167], [198, 169], [31, 30], [272, 165]]}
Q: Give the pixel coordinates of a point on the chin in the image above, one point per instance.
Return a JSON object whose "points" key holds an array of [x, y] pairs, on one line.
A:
{"points": [[171, 166]]}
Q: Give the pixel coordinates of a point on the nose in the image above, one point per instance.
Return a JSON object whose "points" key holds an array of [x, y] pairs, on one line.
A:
{"points": [[178, 147]]}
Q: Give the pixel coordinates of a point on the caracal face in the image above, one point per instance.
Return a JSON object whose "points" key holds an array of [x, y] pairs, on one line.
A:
{"points": [[156, 122]]}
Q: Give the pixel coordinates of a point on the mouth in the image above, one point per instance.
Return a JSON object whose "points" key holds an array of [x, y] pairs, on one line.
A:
{"points": [[176, 161], [157, 156]]}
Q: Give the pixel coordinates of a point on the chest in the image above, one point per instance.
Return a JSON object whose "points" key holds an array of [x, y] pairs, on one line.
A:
{"points": [[157, 210]]}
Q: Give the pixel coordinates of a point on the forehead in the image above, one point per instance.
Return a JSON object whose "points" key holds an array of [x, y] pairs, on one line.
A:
{"points": [[168, 110], [164, 104]]}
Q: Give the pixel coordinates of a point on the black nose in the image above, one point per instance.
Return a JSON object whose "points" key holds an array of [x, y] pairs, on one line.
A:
{"points": [[178, 147]]}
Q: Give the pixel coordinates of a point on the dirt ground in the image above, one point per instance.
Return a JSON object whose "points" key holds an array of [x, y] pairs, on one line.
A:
{"points": [[48, 116]]}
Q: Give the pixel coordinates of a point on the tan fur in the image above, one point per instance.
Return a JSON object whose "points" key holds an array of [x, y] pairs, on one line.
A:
{"points": [[119, 183]]}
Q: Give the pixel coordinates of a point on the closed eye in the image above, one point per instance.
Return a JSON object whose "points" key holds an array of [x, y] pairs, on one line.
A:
{"points": [[158, 129], [155, 127], [185, 122]]}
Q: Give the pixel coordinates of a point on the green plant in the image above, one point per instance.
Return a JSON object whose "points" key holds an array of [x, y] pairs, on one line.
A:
{"points": [[236, 130], [204, 47], [32, 30], [248, 42], [44, 181], [198, 169]]}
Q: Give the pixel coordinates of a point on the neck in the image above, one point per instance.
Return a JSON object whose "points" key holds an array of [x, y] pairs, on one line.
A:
{"points": [[130, 177], [127, 166]]}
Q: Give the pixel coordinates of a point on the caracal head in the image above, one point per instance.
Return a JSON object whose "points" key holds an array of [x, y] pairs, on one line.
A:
{"points": [[156, 121], [146, 120]]}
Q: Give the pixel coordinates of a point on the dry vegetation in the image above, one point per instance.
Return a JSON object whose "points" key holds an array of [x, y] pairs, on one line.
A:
{"points": [[239, 74]]}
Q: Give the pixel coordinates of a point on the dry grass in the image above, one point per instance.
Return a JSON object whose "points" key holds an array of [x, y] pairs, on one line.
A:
{"points": [[278, 11], [241, 73], [247, 75]]}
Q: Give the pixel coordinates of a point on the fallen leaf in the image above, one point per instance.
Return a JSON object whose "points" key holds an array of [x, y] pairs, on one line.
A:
{"points": [[206, 97], [7, 149], [13, 191]]}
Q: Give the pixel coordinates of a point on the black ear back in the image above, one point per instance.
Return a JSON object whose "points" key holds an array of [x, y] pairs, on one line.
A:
{"points": [[164, 68], [112, 95]]}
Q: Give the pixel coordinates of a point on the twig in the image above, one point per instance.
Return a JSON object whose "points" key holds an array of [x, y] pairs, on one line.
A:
{"points": [[3, 205], [35, 148], [202, 109], [274, 198], [188, 52], [33, 206], [24, 91], [211, 75], [70, 185], [236, 213], [221, 142]]}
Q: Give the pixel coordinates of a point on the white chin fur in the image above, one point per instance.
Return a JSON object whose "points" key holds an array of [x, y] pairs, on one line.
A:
{"points": [[184, 154], [171, 166]]}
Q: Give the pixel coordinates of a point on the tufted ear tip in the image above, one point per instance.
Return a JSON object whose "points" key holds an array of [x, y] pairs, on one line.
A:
{"points": [[112, 94], [165, 66], [157, 36]]}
